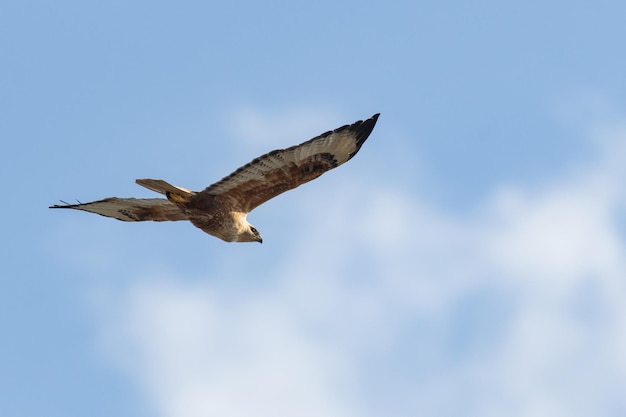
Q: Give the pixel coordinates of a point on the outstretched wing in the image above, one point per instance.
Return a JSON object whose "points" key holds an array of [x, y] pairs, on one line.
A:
{"points": [[131, 209], [284, 169]]}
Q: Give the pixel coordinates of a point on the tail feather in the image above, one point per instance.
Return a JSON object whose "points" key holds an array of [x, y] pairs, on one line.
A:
{"points": [[173, 193]]}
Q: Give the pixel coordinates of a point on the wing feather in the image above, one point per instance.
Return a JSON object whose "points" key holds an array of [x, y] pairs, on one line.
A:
{"points": [[269, 175], [131, 209]]}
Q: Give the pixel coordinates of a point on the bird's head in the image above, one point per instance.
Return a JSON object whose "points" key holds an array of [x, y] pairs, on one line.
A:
{"points": [[256, 236], [250, 234], [245, 232]]}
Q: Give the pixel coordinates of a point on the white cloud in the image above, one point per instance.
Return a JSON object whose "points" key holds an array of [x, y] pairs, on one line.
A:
{"points": [[198, 354], [557, 234], [517, 309]]}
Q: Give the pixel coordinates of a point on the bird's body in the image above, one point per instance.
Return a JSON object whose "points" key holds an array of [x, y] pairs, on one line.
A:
{"points": [[221, 209]]}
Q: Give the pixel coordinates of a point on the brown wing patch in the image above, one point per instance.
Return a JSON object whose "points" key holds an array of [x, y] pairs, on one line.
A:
{"points": [[131, 209], [254, 192], [269, 175]]}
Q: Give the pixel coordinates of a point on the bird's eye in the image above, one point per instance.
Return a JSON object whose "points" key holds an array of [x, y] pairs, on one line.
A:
{"points": [[256, 232]]}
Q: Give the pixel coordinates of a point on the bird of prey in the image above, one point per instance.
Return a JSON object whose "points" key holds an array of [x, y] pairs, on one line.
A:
{"points": [[221, 209]]}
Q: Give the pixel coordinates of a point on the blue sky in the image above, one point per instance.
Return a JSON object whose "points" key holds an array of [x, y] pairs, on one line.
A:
{"points": [[469, 261]]}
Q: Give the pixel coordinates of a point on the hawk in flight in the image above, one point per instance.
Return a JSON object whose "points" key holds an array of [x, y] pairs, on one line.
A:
{"points": [[221, 209]]}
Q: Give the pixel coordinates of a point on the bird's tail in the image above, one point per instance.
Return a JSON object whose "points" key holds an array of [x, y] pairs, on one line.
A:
{"points": [[173, 193]]}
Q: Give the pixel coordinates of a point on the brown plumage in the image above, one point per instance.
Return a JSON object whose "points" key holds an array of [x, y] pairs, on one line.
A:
{"points": [[221, 209]]}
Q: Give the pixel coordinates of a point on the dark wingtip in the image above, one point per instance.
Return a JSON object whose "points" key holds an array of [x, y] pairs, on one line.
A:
{"points": [[362, 130]]}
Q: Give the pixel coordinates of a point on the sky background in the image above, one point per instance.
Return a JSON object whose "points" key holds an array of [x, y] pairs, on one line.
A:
{"points": [[470, 261]]}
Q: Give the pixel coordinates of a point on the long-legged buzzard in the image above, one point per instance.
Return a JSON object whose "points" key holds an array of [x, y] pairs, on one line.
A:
{"points": [[221, 209]]}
